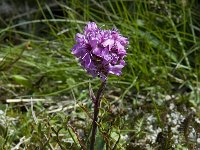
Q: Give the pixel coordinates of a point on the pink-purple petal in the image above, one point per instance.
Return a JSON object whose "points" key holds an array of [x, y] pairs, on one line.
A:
{"points": [[100, 52], [109, 43], [115, 69]]}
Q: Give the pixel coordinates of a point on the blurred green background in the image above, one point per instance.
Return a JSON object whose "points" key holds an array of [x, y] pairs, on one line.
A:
{"points": [[153, 105]]}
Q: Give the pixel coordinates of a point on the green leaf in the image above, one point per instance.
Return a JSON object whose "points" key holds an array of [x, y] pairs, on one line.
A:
{"points": [[2, 130], [19, 79], [2, 141], [99, 145], [71, 82]]}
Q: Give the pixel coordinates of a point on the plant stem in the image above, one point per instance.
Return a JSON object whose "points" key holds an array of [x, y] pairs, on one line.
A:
{"points": [[96, 112]]}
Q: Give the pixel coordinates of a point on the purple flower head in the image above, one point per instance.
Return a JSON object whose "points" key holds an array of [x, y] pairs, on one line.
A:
{"points": [[100, 52]]}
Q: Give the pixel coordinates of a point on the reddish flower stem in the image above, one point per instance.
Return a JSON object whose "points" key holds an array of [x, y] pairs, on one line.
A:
{"points": [[96, 112]]}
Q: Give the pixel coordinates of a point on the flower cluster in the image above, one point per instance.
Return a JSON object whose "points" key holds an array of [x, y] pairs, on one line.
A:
{"points": [[100, 52]]}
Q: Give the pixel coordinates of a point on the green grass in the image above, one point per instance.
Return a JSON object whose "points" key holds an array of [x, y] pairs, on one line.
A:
{"points": [[153, 105]]}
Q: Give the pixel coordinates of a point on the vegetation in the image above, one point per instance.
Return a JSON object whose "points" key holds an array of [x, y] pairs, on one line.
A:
{"points": [[44, 92]]}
